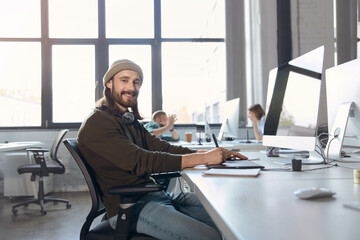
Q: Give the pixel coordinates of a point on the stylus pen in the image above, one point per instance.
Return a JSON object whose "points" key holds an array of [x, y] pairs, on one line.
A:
{"points": [[215, 141]]}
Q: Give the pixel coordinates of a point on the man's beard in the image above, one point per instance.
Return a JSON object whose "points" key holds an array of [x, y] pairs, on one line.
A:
{"points": [[126, 104]]}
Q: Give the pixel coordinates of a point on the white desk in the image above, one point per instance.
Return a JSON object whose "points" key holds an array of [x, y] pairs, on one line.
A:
{"points": [[236, 146], [12, 146], [266, 208], [12, 155]]}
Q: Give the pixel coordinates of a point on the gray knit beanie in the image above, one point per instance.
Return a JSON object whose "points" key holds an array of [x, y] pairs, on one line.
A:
{"points": [[119, 65]]}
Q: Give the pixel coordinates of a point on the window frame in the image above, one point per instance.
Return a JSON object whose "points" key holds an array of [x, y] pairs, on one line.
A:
{"points": [[101, 45]]}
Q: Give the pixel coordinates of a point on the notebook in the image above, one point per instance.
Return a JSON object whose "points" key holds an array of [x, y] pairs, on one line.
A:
{"points": [[237, 164]]}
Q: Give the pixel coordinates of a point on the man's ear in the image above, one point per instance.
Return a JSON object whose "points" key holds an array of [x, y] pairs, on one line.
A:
{"points": [[109, 84]]}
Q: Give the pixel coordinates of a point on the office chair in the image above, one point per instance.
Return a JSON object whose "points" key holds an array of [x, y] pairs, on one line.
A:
{"points": [[129, 194], [42, 169]]}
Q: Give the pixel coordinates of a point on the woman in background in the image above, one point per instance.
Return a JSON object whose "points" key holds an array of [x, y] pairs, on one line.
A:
{"points": [[257, 117]]}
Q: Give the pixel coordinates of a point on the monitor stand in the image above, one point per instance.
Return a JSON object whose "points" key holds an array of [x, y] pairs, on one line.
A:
{"points": [[335, 142], [314, 158], [247, 136], [307, 157]]}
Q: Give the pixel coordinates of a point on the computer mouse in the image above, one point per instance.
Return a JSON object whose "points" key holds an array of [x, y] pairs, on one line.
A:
{"points": [[314, 192]]}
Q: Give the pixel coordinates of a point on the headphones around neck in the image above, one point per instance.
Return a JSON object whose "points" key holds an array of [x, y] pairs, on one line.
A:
{"points": [[127, 117]]}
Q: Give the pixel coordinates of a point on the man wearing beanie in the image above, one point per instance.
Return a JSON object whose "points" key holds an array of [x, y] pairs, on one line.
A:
{"points": [[121, 151]]}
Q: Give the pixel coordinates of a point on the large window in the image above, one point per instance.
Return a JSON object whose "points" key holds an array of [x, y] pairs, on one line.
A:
{"points": [[54, 54], [73, 75], [73, 19], [129, 19], [20, 84], [193, 78]]}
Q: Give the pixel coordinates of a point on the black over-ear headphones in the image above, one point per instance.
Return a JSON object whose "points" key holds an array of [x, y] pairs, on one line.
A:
{"points": [[127, 117]]}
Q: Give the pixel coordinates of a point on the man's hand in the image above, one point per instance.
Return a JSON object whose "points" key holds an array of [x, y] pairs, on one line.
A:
{"points": [[215, 156], [226, 154], [234, 155], [212, 157]]}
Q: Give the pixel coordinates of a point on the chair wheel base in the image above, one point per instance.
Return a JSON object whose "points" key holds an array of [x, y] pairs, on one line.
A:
{"points": [[14, 211]]}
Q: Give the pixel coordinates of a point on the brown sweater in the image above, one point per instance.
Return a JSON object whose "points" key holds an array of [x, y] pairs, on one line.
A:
{"points": [[120, 160]]}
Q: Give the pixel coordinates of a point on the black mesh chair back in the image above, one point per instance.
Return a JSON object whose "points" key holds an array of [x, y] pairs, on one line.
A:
{"points": [[55, 147], [97, 206], [103, 230]]}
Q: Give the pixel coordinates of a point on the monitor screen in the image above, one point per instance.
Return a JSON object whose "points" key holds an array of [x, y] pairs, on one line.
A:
{"points": [[292, 103], [342, 86], [230, 124]]}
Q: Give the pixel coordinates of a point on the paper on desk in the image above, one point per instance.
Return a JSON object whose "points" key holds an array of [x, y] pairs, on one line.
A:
{"points": [[232, 172]]}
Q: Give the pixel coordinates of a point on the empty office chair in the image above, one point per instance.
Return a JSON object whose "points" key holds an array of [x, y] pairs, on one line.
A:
{"points": [[42, 168], [128, 196]]}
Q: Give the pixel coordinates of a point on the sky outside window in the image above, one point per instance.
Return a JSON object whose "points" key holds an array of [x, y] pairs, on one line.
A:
{"points": [[20, 18], [73, 19], [129, 19]]}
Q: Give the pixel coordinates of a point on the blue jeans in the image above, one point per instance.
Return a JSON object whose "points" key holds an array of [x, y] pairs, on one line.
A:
{"points": [[173, 216]]}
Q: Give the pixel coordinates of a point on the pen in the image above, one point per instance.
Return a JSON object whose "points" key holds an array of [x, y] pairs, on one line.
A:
{"points": [[215, 141]]}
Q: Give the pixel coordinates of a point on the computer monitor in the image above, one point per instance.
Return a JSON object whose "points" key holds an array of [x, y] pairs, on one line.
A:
{"points": [[343, 102], [207, 125], [292, 106], [230, 124]]}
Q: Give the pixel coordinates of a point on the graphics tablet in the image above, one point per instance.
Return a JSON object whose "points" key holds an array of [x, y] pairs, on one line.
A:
{"points": [[240, 164]]}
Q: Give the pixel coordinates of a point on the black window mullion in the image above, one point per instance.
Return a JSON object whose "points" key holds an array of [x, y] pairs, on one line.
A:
{"points": [[46, 68], [101, 51], [156, 86]]}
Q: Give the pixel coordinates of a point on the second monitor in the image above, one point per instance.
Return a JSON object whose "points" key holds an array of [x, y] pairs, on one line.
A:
{"points": [[293, 103], [230, 124], [343, 101]]}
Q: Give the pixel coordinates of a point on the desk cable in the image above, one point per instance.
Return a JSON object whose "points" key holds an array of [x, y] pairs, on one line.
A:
{"points": [[181, 189], [319, 168], [342, 154], [328, 147]]}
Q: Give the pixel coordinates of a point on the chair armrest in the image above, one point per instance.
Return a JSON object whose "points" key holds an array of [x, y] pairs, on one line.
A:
{"points": [[166, 175], [164, 178], [129, 195], [37, 150], [136, 189], [39, 156]]}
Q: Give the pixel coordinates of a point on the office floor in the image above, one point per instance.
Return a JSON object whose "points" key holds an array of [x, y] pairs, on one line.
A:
{"points": [[59, 223]]}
